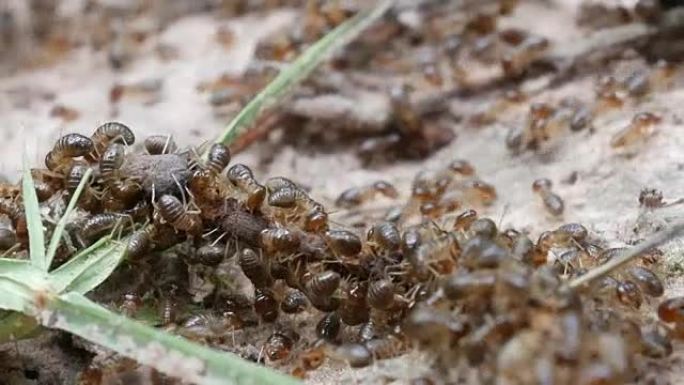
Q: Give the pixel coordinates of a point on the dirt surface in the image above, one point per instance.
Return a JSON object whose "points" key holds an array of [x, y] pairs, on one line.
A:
{"points": [[603, 195]]}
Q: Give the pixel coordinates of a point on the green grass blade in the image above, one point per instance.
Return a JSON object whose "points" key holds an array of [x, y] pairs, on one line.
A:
{"points": [[89, 268], [15, 326], [300, 69], [18, 267], [59, 230], [23, 271], [33, 220], [64, 275], [15, 294], [19, 281], [167, 353], [15, 278]]}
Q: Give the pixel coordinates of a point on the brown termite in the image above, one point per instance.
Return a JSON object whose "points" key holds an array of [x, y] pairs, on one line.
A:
{"points": [[112, 132], [172, 211], [208, 324], [576, 231], [354, 309], [461, 167], [370, 149], [356, 196], [323, 285], [605, 84], [70, 146], [279, 240], [511, 98], [552, 202], [255, 268], [278, 346], [160, 144], [355, 354], [643, 81], [431, 327], [343, 242], [651, 198], [481, 252], [479, 192], [242, 177], [429, 185], [73, 177], [638, 84], [433, 210], [629, 294], [211, 254], [316, 219], [647, 280], [8, 237], [387, 347], [294, 302], [139, 243], [381, 294], [127, 191], [484, 227], [284, 193], [655, 343], [609, 101], [672, 310], [581, 118], [371, 330], [522, 249], [109, 203], [411, 246], [320, 289], [439, 254], [661, 74], [411, 239], [405, 114], [477, 284], [98, 224], [639, 129], [168, 311], [530, 49], [329, 326], [111, 160], [16, 214], [218, 158], [464, 220], [131, 304], [265, 304], [279, 182], [44, 189], [385, 237], [516, 139]]}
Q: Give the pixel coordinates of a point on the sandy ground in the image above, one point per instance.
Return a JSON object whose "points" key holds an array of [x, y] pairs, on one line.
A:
{"points": [[604, 197]]}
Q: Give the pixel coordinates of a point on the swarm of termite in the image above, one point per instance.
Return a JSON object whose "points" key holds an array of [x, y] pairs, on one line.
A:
{"points": [[265, 255], [426, 52], [547, 124]]}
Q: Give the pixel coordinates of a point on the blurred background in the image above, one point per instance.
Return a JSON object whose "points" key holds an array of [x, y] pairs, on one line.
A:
{"points": [[431, 82]]}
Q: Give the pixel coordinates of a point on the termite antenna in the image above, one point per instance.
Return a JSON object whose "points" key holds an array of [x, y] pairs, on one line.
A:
{"points": [[166, 144], [181, 190], [624, 257]]}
